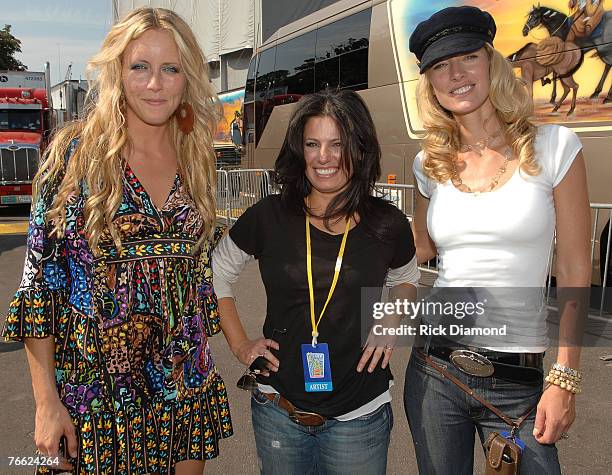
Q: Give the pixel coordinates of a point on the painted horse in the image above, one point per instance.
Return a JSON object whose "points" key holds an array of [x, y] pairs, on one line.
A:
{"points": [[550, 56], [559, 24]]}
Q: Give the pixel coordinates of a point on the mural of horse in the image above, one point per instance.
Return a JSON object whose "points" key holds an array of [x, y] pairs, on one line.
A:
{"points": [[552, 55], [559, 27], [559, 24]]}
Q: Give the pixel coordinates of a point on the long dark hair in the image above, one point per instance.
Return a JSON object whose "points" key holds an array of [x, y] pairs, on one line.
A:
{"points": [[360, 155]]}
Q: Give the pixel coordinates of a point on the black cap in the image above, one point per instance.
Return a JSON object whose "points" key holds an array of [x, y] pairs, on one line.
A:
{"points": [[449, 32]]}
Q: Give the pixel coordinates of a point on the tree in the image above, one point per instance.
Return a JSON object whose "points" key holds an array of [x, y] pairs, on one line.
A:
{"points": [[9, 45]]}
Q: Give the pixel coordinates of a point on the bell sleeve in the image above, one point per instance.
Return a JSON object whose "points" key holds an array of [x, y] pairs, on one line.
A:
{"points": [[39, 307]]}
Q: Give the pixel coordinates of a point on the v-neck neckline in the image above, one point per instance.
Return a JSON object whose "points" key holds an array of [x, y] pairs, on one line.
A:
{"points": [[143, 191]]}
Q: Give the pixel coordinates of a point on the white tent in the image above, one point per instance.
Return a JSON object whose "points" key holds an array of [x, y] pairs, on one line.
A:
{"points": [[221, 26]]}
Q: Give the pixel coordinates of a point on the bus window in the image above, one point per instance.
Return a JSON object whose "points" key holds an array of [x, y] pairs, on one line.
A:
{"points": [[249, 90], [264, 87], [354, 66], [295, 65], [248, 108], [248, 123], [264, 80], [342, 53]]}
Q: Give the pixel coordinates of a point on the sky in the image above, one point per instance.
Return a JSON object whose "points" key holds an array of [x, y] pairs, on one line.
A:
{"points": [[58, 31]]}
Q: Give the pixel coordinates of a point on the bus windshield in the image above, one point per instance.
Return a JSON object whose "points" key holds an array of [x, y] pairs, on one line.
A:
{"points": [[20, 120]]}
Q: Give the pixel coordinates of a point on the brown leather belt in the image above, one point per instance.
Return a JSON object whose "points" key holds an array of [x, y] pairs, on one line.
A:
{"points": [[303, 418]]}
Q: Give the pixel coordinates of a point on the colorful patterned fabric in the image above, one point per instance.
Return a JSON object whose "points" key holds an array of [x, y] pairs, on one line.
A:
{"points": [[133, 365]]}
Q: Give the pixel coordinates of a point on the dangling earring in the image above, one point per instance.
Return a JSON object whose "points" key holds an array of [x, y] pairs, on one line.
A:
{"points": [[185, 118]]}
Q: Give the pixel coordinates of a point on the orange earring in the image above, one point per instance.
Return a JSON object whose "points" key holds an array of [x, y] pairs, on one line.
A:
{"points": [[185, 118]]}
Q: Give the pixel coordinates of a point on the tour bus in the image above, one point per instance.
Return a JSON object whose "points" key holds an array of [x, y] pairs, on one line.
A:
{"points": [[363, 45]]}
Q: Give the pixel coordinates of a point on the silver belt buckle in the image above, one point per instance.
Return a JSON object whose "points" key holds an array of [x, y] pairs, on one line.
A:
{"points": [[472, 363]]}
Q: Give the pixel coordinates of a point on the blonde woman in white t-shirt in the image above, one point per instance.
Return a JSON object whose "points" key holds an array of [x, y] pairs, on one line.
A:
{"points": [[493, 190]]}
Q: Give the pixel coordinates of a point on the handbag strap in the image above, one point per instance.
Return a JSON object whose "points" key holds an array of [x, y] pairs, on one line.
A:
{"points": [[515, 424]]}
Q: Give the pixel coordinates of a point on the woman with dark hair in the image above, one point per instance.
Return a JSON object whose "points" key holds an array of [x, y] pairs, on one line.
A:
{"points": [[318, 244]]}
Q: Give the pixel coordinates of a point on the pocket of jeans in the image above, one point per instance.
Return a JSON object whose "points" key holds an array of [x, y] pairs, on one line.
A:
{"points": [[260, 398], [422, 365], [509, 385], [374, 413]]}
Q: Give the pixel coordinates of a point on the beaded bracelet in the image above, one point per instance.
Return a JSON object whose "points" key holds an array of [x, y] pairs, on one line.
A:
{"points": [[568, 371], [566, 378]]}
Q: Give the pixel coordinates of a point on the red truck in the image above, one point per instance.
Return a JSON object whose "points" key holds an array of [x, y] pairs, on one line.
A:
{"points": [[25, 124]]}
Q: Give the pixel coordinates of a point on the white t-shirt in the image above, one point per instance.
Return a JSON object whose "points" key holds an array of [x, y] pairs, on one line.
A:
{"points": [[502, 238]]}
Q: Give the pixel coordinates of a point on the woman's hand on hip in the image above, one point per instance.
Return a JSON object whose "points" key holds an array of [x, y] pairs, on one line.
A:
{"points": [[377, 348], [248, 351], [555, 414], [52, 423], [373, 354]]}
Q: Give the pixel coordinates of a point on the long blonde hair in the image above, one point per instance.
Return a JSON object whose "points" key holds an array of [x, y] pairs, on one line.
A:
{"points": [[514, 108], [102, 135]]}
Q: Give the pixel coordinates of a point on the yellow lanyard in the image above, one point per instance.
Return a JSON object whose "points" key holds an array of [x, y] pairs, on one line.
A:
{"points": [[315, 324]]}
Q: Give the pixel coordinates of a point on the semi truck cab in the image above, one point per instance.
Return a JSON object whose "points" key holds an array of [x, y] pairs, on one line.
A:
{"points": [[25, 122]]}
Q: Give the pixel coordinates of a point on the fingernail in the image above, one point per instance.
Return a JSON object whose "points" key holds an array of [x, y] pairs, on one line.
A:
{"points": [[536, 432], [73, 454]]}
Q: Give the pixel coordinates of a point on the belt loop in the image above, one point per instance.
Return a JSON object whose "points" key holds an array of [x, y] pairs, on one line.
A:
{"points": [[427, 344], [277, 397], [522, 359]]}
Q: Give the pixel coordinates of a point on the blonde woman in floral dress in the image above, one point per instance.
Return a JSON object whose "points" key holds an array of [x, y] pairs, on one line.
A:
{"points": [[116, 300]]}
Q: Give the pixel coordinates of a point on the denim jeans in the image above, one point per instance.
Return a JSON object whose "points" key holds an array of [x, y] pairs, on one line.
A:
{"points": [[443, 419], [358, 446]]}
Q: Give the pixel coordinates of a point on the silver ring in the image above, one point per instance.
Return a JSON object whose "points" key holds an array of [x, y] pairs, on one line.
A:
{"points": [[565, 435], [387, 347]]}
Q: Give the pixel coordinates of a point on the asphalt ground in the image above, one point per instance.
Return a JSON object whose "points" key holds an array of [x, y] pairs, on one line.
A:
{"points": [[587, 451]]}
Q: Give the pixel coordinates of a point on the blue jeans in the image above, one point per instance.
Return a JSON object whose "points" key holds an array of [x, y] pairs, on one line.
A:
{"points": [[443, 419], [358, 446]]}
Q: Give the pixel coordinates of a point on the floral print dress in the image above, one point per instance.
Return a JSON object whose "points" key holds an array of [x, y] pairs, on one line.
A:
{"points": [[132, 361]]}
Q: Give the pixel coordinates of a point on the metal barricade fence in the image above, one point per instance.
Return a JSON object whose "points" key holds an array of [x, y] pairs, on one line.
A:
{"points": [[404, 197], [601, 261], [602, 216], [602, 264], [239, 189], [223, 210]]}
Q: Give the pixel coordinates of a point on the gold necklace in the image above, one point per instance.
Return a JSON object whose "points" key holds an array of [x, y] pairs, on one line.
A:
{"points": [[494, 181], [482, 144]]}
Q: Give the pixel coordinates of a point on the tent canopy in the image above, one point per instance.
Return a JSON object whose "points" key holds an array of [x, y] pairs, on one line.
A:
{"points": [[221, 27]]}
